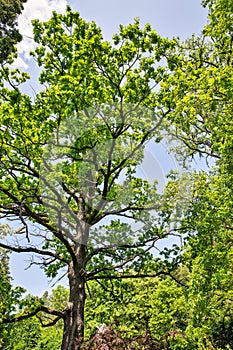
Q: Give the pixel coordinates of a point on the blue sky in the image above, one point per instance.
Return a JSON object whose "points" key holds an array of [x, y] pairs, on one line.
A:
{"points": [[169, 17]]}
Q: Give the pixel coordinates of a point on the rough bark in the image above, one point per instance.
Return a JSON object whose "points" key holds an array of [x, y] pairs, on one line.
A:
{"points": [[73, 333]]}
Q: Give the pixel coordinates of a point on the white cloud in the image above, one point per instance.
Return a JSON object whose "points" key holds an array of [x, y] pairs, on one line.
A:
{"points": [[34, 9], [20, 63]]}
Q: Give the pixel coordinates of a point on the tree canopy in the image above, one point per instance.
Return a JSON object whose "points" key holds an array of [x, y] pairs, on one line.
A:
{"points": [[69, 178]]}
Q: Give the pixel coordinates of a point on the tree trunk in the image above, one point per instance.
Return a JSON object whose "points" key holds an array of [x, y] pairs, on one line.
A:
{"points": [[73, 333]]}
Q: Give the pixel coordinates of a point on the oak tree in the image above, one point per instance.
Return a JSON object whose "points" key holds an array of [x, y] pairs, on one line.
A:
{"points": [[70, 157]]}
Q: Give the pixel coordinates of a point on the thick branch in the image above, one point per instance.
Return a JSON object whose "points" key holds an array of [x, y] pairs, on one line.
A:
{"points": [[60, 314]]}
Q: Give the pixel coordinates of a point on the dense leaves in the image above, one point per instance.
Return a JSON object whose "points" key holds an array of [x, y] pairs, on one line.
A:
{"points": [[9, 34]]}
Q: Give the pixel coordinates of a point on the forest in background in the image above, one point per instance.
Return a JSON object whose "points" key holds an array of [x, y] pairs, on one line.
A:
{"points": [[179, 299]]}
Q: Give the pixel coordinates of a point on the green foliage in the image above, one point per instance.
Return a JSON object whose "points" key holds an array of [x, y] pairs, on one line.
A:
{"points": [[80, 70], [208, 255], [50, 339], [199, 89], [127, 307], [23, 335], [9, 34]]}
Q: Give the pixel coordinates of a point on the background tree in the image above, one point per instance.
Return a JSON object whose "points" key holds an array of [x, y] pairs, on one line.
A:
{"points": [[199, 94], [199, 89], [9, 34]]}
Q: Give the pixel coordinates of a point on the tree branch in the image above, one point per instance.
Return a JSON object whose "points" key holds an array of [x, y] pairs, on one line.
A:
{"points": [[125, 262], [111, 277], [43, 221], [33, 250], [49, 324], [60, 314], [131, 246]]}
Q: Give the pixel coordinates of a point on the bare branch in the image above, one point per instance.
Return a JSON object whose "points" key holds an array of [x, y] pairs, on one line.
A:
{"points": [[40, 219], [33, 250]]}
